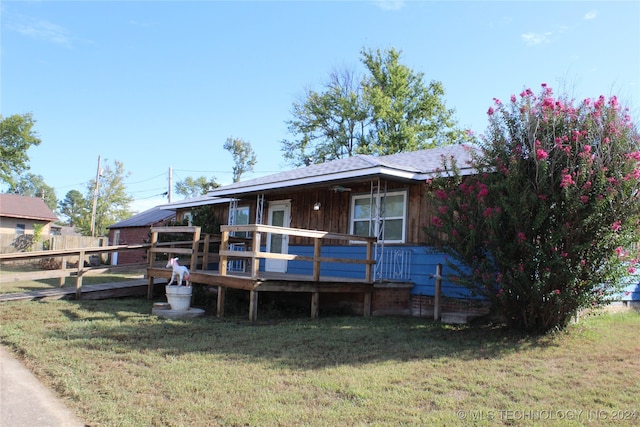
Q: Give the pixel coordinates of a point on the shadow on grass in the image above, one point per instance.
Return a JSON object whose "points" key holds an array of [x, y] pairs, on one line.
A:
{"points": [[127, 325]]}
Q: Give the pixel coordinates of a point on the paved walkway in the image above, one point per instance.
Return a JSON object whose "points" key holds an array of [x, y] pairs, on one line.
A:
{"points": [[25, 402]]}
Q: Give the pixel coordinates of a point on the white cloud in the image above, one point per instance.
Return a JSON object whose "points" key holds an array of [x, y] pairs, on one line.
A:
{"points": [[533, 39], [390, 4], [593, 14], [43, 30]]}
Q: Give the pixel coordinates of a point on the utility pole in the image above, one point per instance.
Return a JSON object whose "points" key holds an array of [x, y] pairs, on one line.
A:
{"points": [[170, 192], [95, 201]]}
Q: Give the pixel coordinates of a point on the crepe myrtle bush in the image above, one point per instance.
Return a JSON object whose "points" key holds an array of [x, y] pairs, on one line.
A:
{"points": [[547, 224]]}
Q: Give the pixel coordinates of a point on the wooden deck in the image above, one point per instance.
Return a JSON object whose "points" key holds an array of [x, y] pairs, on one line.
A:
{"points": [[256, 281], [280, 282]]}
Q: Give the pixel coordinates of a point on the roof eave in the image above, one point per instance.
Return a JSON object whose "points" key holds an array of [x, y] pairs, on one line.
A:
{"points": [[379, 171]]}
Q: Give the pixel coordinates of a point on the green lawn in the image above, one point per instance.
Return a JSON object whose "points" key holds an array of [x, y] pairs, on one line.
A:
{"points": [[115, 364]]}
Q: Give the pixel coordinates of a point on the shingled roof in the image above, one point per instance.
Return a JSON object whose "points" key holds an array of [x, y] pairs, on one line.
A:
{"points": [[410, 166], [144, 219], [33, 208]]}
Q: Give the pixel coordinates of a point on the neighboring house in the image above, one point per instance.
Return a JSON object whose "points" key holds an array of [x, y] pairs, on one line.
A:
{"points": [[20, 215], [135, 230], [382, 196]]}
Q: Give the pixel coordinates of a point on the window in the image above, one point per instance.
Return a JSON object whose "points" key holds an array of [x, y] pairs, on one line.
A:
{"points": [[188, 216], [363, 212], [20, 228], [242, 218]]}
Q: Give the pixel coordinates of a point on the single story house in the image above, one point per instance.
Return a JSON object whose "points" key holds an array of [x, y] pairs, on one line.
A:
{"points": [[135, 230], [21, 214], [364, 195]]}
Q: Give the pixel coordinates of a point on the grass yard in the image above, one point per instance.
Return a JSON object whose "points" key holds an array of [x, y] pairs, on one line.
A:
{"points": [[115, 364]]}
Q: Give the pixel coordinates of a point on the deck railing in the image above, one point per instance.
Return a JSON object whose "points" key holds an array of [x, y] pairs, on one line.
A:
{"points": [[254, 254]]}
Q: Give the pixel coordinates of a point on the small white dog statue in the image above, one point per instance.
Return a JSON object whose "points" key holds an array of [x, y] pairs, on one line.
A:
{"points": [[178, 270]]}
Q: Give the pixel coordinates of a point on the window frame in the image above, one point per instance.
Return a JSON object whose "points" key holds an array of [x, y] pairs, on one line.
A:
{"points": [[403, 217]]}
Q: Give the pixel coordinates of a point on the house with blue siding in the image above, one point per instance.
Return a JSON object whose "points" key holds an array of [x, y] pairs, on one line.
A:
{"points": [[363, 195]]}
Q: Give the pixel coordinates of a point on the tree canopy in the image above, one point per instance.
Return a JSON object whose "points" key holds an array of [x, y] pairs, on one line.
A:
{"points": [[388, 110], [244, 158], [16, 137], [112, 200], [194, 187], [32, 185]]}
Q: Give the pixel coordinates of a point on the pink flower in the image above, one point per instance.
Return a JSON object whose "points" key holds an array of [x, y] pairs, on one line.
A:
{"points": [[488, 213], [557, 291], [484, 191], [541, 154], [513, 99], [490, 111], [567, 180], [441, 194], [521, 237], [584, 199], [437, 222], [616, 226]]}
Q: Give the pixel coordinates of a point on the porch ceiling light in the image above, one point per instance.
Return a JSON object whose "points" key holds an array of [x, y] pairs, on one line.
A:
{"points": [[316, 206]]}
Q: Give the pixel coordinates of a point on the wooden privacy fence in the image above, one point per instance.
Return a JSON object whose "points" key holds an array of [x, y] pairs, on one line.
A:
{"points": [[11, 242]]}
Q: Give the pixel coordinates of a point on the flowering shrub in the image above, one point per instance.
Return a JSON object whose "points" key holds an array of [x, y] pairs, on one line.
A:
{"points": [[546, 226]]}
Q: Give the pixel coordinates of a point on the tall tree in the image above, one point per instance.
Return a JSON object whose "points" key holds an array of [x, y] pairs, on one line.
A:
{"points": [[406, 114], [74, 206], [244, 158], [328, 125], [194, 187], [16, 137], [112, 202], [34, 186], [388, 110]]}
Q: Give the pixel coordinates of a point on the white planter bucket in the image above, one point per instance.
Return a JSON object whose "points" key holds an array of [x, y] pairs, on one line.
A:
{"points": [[179, 297]]}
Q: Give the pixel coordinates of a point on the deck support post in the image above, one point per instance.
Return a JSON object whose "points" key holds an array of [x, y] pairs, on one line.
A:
{"points": [[253, 306], [220, 307], [152, 257], [366, 310], [315, 304]]}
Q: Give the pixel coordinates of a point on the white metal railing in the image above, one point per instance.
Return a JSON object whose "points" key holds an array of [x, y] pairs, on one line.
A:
{"points": [[393, 264]]}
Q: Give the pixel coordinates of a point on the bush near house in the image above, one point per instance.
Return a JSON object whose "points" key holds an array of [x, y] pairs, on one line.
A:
{"points": [[545, 227]]}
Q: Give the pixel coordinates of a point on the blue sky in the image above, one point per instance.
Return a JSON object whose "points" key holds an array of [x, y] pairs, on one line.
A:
{"points": [[163, 84]]}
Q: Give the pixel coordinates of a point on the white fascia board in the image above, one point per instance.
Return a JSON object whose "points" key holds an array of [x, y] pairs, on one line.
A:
{"points": [[361, 173], [432, 175]]}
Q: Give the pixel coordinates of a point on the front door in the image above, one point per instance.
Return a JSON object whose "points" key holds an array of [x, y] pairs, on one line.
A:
{"points": [[279, 215]]}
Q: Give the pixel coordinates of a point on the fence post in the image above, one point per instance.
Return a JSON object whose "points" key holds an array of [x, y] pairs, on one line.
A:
{"points": [[436, 298], [80, 272]]}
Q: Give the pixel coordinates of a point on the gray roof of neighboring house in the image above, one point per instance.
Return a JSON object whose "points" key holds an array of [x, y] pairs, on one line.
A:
{"points": [[410, 166], [34, 208], [146, 218], [195, 201]]}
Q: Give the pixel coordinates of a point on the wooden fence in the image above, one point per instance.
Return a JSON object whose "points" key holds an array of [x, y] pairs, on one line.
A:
{"points": [[64, 271], [11, 242]]}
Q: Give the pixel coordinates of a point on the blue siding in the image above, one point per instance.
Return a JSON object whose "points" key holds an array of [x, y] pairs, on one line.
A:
{"points": [[423, 267]]}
